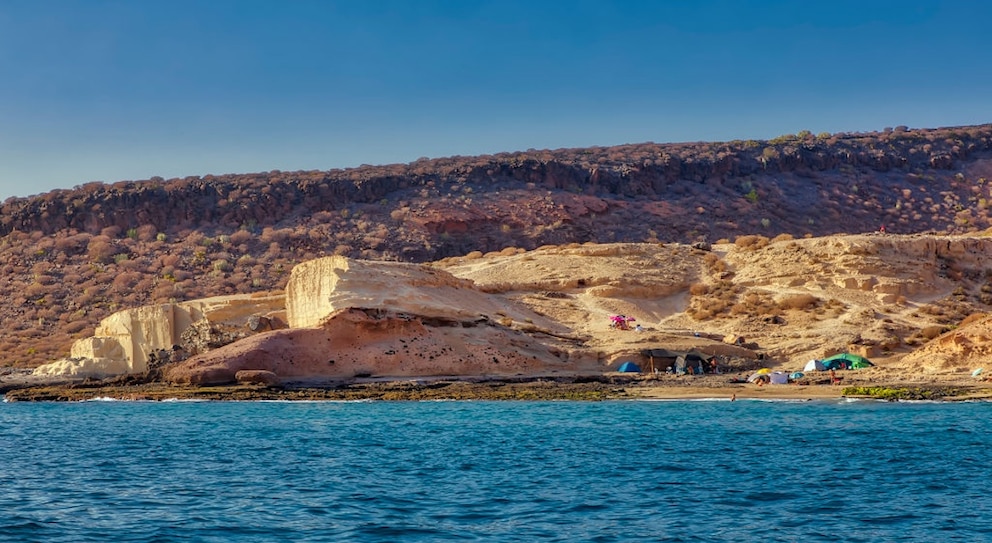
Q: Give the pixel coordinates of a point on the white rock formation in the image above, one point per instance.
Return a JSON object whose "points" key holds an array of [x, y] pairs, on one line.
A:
{"points": [[122, 342], [318, 288]]}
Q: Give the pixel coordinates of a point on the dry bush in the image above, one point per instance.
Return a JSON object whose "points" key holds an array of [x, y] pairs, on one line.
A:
{"points": [[799, 301], [751, 242], [240, 237], [144, 285], [708, 306], [125, 281], [699, 289], [99, 249], [37, 290], [724, 290], [111, 231], [323, 217], [271, 235], [756, 303], [75, 326], [718, 299], [700, 314], [146, 232], [714, 263], [72, 245], [783, 237]]}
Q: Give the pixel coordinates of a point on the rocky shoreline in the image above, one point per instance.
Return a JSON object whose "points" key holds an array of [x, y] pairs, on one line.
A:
{"points": [[576, 388]]}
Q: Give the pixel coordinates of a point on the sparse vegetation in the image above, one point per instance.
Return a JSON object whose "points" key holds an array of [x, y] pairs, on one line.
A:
{"points": [[799, 301], [751, 242], [71, 256]]}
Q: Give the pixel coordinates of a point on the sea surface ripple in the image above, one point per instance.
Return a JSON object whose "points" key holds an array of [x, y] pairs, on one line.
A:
{"points": [[495, 471]]}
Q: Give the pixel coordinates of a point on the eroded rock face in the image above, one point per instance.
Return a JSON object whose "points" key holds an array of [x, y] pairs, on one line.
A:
{"points": [[964, 349], [374, 342], [125, 341], [321, 287], [74, 367]]}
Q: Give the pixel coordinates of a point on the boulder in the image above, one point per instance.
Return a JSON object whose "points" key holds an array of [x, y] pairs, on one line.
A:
{"points": [[96, 368], [365, 343], [256, 377]]}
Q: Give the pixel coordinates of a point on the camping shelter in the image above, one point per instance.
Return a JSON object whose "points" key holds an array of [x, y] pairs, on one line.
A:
{"points": [[814, 365], [846, 361], [758, 378], [664, 359], [629, 367], [778, 378]]}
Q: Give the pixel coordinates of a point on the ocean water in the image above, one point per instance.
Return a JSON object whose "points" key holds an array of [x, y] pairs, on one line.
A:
{"points": [[496, 471]]}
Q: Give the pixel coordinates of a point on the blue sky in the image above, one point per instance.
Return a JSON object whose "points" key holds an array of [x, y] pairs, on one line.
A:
{"points": [[94, 90]]}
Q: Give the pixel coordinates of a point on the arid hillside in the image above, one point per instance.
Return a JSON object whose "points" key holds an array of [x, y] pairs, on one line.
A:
{"points": [[916, 305], [791, 300], [72, 257]]}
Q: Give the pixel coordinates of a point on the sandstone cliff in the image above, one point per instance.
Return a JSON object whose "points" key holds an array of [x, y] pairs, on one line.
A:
{"points": [[136, 340], [359, 319], [896, 299], [320, 287]]}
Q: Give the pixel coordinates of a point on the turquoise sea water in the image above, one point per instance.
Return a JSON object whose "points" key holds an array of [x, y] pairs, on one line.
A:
{"points": [[496, 471]]}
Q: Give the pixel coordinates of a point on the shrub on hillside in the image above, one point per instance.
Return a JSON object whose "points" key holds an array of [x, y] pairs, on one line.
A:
{"points": [[751, 242], [799, 301], [241, 237], [699, 289], [99, 249], [72, 245]]}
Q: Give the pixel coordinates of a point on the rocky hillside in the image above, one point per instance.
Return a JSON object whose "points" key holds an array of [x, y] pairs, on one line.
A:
{"points": [[72, 257], [916, 305]]}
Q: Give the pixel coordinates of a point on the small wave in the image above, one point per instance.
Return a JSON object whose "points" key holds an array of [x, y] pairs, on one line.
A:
{"points": [[727, 399], [679, 400], [363, 400], [890, 519]]}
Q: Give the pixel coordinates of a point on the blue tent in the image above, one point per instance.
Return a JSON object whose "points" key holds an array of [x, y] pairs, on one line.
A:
{"points": [[629, 367]]}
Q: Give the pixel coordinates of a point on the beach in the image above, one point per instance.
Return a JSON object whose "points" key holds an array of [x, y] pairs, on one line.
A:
{"points": [[607, 386]]}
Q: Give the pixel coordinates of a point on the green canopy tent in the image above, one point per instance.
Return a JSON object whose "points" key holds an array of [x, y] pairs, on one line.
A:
{"points": [[846, 361]]}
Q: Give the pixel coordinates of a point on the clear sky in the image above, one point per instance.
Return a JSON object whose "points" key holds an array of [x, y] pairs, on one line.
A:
{"points": [[94, 90]]}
